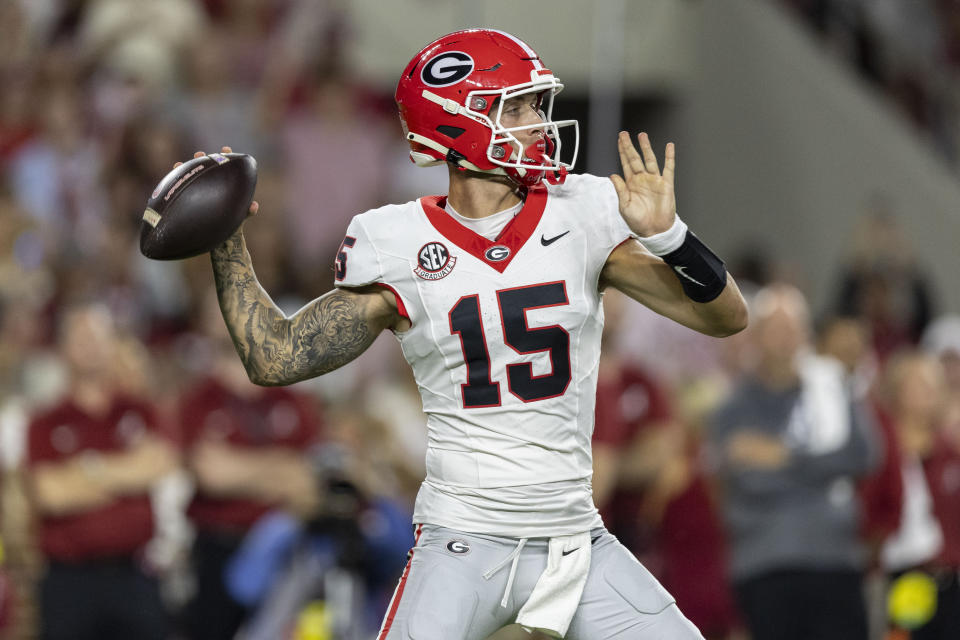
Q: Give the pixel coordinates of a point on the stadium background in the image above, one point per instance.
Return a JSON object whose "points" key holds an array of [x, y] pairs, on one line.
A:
{"points": [[816, 139]]}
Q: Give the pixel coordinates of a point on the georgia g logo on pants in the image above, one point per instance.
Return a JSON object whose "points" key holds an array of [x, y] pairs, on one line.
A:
{"points": [[446, 69], [458, 546]]}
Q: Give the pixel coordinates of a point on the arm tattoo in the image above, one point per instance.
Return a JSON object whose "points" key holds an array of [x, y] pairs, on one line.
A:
{"points": [[275, 349]]}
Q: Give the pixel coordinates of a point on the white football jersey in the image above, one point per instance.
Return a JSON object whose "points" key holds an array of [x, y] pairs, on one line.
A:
{"points": [[504, 345]]}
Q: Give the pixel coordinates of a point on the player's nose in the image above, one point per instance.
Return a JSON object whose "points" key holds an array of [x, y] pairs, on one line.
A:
{"points": [[532, 118], [533, 115]]}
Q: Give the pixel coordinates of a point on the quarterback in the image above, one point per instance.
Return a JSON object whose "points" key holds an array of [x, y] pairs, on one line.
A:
{"points": [[493, 292]]}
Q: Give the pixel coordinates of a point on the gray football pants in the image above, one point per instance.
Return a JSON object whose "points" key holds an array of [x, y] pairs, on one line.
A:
{"points": [[443, 594]]}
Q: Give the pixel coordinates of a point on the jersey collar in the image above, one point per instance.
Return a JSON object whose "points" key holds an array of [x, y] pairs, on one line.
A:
{"points": [[511, 239]]}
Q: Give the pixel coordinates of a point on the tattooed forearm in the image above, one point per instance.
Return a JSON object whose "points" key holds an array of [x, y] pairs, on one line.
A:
{"points": [[324, 335]]}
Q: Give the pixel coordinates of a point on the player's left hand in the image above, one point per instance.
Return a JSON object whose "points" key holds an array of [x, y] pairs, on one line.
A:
{"points": [[647, 200]]}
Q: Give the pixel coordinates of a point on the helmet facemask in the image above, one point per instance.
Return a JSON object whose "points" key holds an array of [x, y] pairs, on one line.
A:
{"points": [[525, 164]]}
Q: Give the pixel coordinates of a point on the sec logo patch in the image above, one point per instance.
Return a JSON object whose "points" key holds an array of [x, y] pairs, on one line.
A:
{"points": [[434, 261]]}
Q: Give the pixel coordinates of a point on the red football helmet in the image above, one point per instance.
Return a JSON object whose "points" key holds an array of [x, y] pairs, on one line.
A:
{"points": [[451, 97]]}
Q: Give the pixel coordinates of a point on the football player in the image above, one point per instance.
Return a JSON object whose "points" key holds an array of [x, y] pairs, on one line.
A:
{"points": [[493, 292]]}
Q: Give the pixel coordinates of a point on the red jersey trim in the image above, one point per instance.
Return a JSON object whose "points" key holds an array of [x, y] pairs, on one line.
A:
{"points": [[401, 308], [513, 237]]}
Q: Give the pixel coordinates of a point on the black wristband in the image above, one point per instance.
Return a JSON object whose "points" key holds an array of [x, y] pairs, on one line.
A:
{"points": [[701, 273]]}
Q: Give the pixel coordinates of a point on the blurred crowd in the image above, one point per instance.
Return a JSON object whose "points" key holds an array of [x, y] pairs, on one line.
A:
{"points": [[908, 49], [803, 475]]}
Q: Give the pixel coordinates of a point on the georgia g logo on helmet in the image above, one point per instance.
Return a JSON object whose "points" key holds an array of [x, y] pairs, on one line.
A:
{"points": [[447, 68]]}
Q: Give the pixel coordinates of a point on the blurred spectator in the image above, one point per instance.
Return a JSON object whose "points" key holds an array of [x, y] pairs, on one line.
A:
{"points": [[17, 124], [246, 447], [648, 487], [788, 445], [343, 557], [6, 602], [26, 286], [847, 340], [882, 284], [56, 177], [93, 459], [154, 293], [252, 28], [139, 38], [147, 147], [636, 441], [392, 427], [219, 111], [927, 535], [907, 48], [335, 130], [942, 340]]}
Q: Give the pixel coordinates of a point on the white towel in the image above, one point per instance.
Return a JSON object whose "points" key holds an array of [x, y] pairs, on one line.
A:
{"points": [[820, 422], [556, 596]]}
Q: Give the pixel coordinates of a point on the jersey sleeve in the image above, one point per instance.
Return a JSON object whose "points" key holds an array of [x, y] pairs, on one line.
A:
{"points": [[357, 262], [614, 227], [597, 199]]}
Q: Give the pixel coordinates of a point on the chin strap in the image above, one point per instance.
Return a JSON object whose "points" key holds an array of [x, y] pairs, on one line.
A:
{"points": [[556, 177], [422, 159]]}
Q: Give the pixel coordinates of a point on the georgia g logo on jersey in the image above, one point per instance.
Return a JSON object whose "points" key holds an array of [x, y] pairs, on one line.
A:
{"points": [[434, 261], [497, 253], [447, 68]]}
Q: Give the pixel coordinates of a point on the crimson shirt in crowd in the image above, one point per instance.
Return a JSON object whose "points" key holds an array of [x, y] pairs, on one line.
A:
{"points": [[687, 550], [66, 432], [882, 492], [628, 403], [275, 417], [942, 469]]}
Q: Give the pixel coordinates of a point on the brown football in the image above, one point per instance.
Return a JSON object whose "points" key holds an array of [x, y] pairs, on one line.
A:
{"points": [[198, 205]]}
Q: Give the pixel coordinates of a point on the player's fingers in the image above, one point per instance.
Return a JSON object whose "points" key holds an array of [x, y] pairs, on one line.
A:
{"points": [[669, 161], [624, 161], [254, 206], [177, 164], [649, 157], [621, 187], [198, 154], [630, 152], [624, 146], [226, 150]]}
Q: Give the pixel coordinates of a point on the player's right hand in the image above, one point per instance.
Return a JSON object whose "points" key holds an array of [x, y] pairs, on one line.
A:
{"points": [[254, 206]]}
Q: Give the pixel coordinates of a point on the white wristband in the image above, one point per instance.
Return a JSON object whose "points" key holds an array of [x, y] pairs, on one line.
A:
{"points": [[660, 244]]}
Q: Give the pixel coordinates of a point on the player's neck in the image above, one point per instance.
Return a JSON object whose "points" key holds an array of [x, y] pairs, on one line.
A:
{"points": [[477, 195]]}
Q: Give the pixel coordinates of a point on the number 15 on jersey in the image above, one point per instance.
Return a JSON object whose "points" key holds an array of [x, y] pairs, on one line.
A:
{"points": [[465, 321]]}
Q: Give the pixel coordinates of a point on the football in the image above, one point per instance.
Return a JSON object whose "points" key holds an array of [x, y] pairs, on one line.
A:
{"points": [[197, 206]]}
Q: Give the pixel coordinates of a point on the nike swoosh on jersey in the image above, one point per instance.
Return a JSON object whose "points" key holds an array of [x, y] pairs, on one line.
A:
{"points": [[566, 553], [545, 242]]}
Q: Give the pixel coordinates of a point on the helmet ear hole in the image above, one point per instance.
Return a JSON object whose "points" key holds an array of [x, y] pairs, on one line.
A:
{"points": [[449, 131]]}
